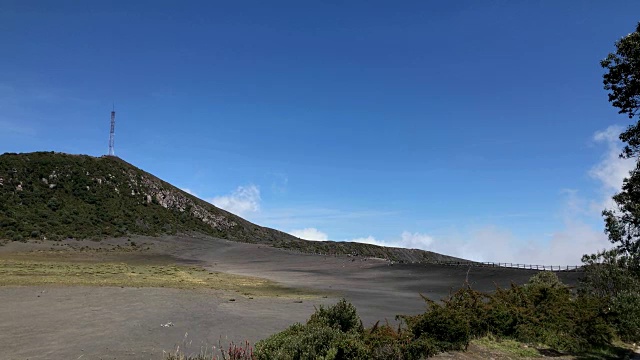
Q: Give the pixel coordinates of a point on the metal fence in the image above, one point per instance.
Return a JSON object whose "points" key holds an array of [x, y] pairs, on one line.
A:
{"points": [[512, 265]]}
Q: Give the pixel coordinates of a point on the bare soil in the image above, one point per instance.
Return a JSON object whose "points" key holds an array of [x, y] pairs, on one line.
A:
{"points": [[89, 322]]}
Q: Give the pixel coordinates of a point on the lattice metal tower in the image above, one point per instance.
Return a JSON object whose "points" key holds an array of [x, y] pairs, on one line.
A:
{"points": [[112, 133]]}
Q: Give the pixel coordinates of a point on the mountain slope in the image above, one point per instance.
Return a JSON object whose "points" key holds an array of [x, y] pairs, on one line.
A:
{"points": [[46, 195]]}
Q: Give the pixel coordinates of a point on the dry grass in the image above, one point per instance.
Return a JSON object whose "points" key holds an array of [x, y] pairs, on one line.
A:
{"points": [[507, 347], [68, 268]]}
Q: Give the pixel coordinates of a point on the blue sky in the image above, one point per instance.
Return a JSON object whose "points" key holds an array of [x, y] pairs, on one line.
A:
{"points": [[478, 129]]}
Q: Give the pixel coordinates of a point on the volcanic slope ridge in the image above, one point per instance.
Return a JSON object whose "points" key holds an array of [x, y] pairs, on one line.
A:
{"points": [[55, 196]]}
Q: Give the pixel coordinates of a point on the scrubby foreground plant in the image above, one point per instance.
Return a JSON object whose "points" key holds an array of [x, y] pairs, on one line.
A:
{"points": [[336, 332], [544, 311]]}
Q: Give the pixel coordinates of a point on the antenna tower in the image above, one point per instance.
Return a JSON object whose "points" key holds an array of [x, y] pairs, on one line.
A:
{"points": [[112, 132]]}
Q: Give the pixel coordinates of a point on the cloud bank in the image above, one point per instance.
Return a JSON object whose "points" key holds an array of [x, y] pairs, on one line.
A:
{"points": [[562, 247], [611, 170], [244, 200], [406, 240], [310, 234]]}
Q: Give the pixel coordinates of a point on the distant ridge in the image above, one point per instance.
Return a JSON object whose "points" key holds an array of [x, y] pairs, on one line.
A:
{"points": [[47, 195]]}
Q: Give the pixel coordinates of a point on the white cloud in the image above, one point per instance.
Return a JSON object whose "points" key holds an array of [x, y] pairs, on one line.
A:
{"points": [[310, 234], [492, 243], [244, 200], [416, 240], [484, 244], [407, 240], [188, 191], [611, 170], [369, 240], [577, 238], [579, 235], [498, 244]]}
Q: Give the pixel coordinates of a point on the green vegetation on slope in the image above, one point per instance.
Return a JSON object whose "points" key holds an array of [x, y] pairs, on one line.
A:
{"points": [[54, 196]]}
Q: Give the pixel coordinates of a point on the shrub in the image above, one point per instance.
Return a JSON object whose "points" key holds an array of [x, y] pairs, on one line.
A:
{"points": [[544, 311], [614, 280], [606, 274], [334, 332], [342, 315], [591, 323], [549, 317], [444, 327], [506, 310], [472, 306], [626, 309], [311, 341], [386, 343], [547, 279]]}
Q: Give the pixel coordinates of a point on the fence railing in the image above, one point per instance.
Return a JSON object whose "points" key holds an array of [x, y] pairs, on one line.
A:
{"points": [[513, 265]]}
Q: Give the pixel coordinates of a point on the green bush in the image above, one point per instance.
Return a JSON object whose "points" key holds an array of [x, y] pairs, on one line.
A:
{"points": [[547, 279], [334, 332], [312, 341], [607, 273], [472, 306], [544, 311], [626, 308], [342, 316], [592, 326], [386, 343], [445, 326], [614, 280]]}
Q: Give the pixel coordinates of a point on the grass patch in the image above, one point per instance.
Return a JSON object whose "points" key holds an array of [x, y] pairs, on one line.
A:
{"points": [[68, 269], [507, 347]]}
